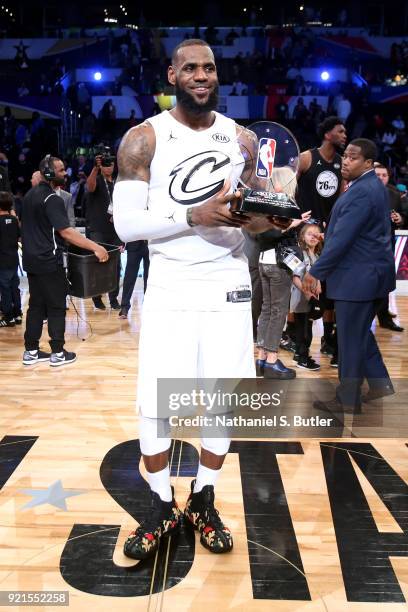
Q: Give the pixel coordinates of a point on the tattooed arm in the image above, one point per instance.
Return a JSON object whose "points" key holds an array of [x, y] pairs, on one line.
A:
{"points": [[136, 153], [131, 216]]}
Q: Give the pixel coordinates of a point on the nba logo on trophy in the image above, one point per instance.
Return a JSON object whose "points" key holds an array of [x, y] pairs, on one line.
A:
{"points": [[266, 158]]}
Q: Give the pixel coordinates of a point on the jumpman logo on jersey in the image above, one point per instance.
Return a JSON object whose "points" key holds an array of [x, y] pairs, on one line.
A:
{"points": [[319, 163], [171, 137]]}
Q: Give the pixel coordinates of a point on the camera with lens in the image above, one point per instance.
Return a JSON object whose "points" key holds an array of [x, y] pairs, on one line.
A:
{"points": [[104, 151], [106, 154]]}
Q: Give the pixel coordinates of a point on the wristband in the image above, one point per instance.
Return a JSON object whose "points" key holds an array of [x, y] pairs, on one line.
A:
{"points": [[189, 219]]}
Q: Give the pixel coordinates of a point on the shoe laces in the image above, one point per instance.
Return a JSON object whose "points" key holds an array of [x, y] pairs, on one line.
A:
{"points": [[210, 512], [150, 524]]}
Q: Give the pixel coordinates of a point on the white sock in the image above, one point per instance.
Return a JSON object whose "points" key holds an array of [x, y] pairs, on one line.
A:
{"points": [[160, 483], [33, 352], [205, 476]]}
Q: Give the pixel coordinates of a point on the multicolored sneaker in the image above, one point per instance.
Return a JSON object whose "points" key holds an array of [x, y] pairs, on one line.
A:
{"points": [[202, 515], [164, 520]]}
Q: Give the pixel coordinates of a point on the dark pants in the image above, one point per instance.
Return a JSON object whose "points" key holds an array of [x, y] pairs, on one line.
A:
{"points": [[105, 239], [251, 249], [359, 356], [256, 296], [10, 292], [304, 334], [48, 294], [136, 252], [383, 311]]}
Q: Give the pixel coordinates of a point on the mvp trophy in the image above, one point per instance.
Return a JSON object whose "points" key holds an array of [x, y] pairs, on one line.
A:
{"points": [[271, 159]]}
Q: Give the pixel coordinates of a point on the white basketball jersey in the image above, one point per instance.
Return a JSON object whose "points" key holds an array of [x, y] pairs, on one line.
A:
{"points": [[197, 267]]}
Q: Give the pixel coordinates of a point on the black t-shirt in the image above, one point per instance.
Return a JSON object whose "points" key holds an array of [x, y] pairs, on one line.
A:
{"points": [[319, 187], [97, 203], [43, 215], [9, 235]]}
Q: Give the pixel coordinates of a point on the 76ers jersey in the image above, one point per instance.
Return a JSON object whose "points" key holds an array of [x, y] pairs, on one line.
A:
{"points": [[319, 187], [199, 266]]}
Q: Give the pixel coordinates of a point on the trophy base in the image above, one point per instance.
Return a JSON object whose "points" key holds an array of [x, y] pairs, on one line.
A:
{"points": [[267, 203]]}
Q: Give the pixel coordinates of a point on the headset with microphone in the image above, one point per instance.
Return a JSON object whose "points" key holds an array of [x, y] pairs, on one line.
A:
{"points": [[48, 172]]}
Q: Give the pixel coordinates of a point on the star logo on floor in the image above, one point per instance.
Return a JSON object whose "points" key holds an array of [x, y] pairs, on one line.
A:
{"points": [[55, 495]]}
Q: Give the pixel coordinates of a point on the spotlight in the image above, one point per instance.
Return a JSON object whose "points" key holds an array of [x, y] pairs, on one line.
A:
{"points": [[325, 76], [97, 76]]}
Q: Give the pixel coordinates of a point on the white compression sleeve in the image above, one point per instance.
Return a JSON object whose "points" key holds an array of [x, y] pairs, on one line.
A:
{"points": [[133, 221]]}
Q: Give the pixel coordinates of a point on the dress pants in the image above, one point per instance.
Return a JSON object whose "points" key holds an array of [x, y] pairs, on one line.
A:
{"points": [[359, 355]]}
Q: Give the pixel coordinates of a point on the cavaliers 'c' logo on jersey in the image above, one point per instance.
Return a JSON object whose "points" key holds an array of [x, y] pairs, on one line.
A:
{"points": [[199, 177]]}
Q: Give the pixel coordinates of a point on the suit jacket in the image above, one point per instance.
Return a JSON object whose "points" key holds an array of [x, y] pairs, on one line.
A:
{"points": [[69, 206], [357, 262]]}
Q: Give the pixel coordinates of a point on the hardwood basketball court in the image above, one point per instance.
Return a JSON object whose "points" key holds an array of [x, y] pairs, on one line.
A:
{"points": [[317, 524]]}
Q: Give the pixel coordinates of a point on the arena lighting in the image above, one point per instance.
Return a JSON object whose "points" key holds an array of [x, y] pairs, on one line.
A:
{"points": [[97, 76], [301, 7], [325, 76]]}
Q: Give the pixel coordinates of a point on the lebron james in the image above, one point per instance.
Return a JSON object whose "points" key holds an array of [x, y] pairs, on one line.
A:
{"points": [[178, 172]]}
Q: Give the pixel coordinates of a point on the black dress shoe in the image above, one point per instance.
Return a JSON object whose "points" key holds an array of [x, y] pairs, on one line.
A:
{"points": [[115, 305], [99, 304], [391, 325], [259, 365], [378, 392], [335, 406], [278, 371], [123, 313]]}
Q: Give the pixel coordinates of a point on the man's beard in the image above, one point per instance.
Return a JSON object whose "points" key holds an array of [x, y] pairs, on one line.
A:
{"points": [[187, 101], [339, 148]]}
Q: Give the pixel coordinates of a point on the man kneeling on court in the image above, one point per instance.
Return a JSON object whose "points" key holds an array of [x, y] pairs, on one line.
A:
{"points": [[177, 173]]}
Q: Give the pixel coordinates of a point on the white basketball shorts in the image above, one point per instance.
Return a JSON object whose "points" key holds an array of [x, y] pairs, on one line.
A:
{"points": [[190, 344]]}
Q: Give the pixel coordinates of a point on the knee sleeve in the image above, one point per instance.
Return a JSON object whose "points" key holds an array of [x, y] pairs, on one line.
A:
{"points": [[217, 446], [152, 434]]}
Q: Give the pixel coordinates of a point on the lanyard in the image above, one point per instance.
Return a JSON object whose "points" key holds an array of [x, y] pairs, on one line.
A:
{"points": [[108, 190]]}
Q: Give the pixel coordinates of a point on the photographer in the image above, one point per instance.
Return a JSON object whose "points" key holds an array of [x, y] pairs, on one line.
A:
{"points": [[99, 185]]}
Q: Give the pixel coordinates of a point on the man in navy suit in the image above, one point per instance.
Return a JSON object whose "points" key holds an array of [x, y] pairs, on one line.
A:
{"points": [[357, 264]]}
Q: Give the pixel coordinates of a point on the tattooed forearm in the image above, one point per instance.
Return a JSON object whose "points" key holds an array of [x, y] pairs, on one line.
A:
{"points": [[136, 153]]}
